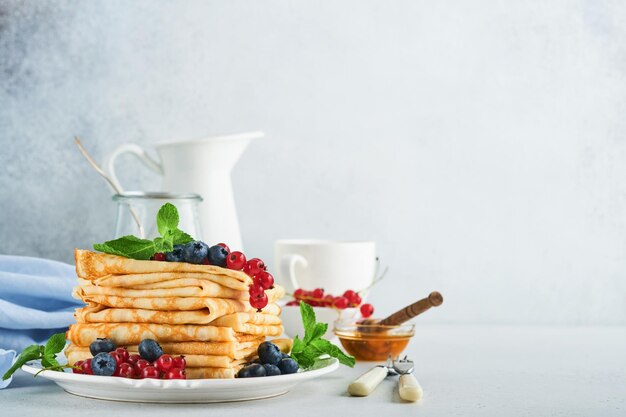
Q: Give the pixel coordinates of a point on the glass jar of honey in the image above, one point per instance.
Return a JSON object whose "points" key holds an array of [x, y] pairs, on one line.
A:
{"points": [[373, 342]]}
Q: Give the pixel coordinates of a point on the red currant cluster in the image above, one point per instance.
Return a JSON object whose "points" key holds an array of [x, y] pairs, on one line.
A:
{"points": [[133, 366], [317, 298], [256, 269]]}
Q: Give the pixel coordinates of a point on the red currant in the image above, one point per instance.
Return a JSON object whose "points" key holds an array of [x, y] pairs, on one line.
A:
{"points": [[179, 362], [123, 352], [356, 301], [132, 359], [298, 294], [175, 373], [254, 266], [160, 256], [86, 367], [349, 294], [340, 303], [225, 246], [150, 372], [367, 310], [125, 370], [259, 302], [328, 300], [164, 363], [264, 279], [293, 303], [236, 260], [79, 364], [318, 293], [205, 261], [255, 291], [141, 365], [118, 357]]}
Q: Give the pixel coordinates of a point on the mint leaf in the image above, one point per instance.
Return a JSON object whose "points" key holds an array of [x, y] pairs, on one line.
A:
{"points": [[167, 218], [308, 352], [180, 237], [325, 346], [31, 353], [163, 245], [129, 246], [55, 344], [49, 361]]}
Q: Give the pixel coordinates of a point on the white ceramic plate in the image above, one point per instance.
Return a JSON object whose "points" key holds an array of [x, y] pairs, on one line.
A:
{"points": [[177, 391]]}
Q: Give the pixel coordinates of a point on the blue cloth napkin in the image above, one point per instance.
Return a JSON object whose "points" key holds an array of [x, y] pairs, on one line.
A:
{"points": [[35, 301]]}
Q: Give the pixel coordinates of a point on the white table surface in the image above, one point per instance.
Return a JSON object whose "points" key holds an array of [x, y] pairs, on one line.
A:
{"points": [[464, 370]]}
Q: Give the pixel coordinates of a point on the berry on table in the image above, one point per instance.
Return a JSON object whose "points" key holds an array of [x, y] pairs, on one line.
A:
{"points": [[103, 364], [251, 371], [195, 252], [293, 303], [217, 256], [236, 260], [367, 310], [101, 345], [264, 279], [269, 353], [175, 373], [288, 366], [164, 363], [176, 255], [150, 350]]}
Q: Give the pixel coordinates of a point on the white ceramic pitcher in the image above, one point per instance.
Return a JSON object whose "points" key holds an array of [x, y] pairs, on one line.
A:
{"points": [[201, 166]]}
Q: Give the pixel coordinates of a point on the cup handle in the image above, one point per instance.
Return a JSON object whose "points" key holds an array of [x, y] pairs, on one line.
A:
{"points": [[136, 150], [288, 267]]}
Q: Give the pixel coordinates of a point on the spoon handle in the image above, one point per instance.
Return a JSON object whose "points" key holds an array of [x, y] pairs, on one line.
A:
{"points": [[366, 383], [407, 313]]}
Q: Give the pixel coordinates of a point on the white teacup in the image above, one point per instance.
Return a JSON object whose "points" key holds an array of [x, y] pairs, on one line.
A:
{"points": [[335, 266]]}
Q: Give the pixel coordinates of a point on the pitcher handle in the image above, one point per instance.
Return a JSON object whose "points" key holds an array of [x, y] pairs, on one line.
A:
{"points": [[136, 150], [287, 267]]}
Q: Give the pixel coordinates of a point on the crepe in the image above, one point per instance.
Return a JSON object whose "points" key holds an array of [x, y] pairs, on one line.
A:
{"points": [[168, 280], [91, 265], [174, 303], [96, 313], [123, 334], [205, 289]]}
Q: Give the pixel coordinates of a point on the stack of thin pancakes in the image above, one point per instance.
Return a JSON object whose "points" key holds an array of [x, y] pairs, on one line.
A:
{"points": [[199, 311]]}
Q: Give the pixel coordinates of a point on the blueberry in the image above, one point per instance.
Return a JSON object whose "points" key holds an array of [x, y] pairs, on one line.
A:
{"points": [[101, 345], [271, 370], [251, 371], [288, 366], [150, 350], [285, 355], [175, 255], [103, 364], [218, 255], [269, 353], [195, 252]]}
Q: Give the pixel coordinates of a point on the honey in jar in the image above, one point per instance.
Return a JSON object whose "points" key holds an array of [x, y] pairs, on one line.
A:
{"points": [[373, 342]]}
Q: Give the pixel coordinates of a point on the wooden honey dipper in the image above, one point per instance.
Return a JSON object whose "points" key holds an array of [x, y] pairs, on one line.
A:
{"points": [[434, 299]]}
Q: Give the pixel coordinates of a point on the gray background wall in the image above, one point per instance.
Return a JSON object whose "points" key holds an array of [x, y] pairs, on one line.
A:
{"points": [[481, 144]]}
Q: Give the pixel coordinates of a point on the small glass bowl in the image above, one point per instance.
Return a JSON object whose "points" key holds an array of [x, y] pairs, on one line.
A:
{"points": [[373, 342]]}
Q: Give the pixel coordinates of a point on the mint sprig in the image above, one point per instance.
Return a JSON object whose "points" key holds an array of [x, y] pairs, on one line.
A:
{"points": [[312, 349], [47, 354], [142, 249]]}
